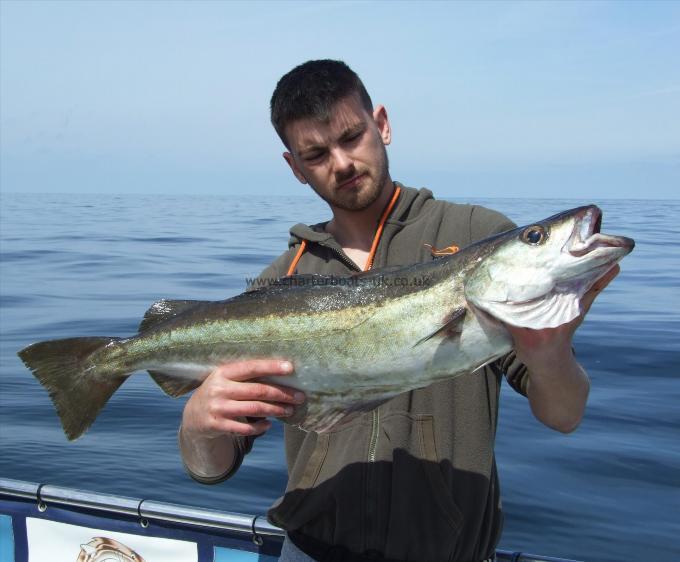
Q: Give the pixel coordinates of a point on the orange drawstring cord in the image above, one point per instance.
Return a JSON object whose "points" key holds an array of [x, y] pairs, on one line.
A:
{"points": [[376, 238], [381, 224], [297, 257]]}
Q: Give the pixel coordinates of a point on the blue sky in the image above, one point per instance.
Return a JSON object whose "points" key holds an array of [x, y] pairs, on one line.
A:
{"points": [[516, 99]]}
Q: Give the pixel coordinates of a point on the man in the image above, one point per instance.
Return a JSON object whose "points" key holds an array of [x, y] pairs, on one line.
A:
{"points": [[415, 479]]}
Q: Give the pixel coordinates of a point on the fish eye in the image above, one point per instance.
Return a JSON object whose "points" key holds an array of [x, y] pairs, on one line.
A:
{"points": [[534, 235]]}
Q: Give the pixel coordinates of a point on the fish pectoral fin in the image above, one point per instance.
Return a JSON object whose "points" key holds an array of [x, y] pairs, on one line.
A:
{"points": [[163, 310], [450, 328], [174, 385]]}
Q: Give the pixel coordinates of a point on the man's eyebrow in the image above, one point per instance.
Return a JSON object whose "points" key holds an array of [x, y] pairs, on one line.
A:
{"points": [[352, 130], [349, 132], [312, 147]]}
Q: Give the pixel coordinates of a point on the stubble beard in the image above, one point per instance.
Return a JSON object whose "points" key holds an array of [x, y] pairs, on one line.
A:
{"points": [[358, 200]]}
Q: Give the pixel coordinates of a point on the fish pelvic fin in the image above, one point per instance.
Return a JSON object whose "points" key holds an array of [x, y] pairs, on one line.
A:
{"points": [[77, 392]]}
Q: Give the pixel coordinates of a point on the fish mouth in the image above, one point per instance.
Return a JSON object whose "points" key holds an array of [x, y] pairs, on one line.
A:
{"points": [[587, 237]]}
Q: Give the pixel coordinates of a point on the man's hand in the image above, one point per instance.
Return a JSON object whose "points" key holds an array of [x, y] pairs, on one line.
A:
{"points": [[558, 386], [217, 412], [229, 395], [547, 347]]}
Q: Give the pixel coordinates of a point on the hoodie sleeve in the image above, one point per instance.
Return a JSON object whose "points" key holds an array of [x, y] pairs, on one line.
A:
{"points": [[487, 222], [516, 372], [242, 445]]}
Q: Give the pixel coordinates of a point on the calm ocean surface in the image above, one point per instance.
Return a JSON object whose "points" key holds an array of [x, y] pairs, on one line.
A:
{"points": [[91, 264]]}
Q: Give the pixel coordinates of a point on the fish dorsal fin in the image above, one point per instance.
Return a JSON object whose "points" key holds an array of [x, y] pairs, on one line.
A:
{"points": [[449, 328], [163, 310], [174, 385]]}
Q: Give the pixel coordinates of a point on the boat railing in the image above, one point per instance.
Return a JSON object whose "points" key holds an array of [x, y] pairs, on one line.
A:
{"points": [[212, 530]]}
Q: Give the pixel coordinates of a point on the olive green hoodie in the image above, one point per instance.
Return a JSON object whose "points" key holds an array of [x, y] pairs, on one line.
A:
{"points": [[416, 478]]}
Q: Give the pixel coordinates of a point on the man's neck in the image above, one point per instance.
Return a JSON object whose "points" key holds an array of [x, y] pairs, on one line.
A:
{"points": [[355, 230]]}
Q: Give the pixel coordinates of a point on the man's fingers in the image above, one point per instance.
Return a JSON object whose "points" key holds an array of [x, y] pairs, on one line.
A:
{"points": [[244, 428], [254, 368], [265, 392], [596, 289], [229, 395], [245, 408]]}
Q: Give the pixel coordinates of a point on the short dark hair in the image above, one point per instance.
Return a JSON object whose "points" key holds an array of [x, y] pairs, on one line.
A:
{"points": [[311, 90]]}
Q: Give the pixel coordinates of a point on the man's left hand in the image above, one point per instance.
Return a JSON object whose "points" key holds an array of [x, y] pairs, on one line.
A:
{"points": [[543, 347], [558, 386]]}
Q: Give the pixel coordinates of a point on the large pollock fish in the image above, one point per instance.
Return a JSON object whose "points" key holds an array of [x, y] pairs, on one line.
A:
{"points": [[355, 341]]}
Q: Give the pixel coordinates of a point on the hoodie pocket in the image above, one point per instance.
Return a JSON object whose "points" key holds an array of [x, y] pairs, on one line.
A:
{"points": [[294, 509], [424, 521], [324, 497]]}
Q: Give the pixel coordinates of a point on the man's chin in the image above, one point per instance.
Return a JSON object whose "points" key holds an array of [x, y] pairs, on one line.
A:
{"points": [[354, 199]]}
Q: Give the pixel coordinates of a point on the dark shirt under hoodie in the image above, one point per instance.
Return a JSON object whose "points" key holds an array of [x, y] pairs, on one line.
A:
{"points": [[414, 479]]}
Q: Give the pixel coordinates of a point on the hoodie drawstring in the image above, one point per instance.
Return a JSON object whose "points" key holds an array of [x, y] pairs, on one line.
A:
{"points": [[376, 238]]}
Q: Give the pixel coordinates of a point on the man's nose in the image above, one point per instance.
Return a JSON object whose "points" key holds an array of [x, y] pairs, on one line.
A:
{"points": [[342, 162]]}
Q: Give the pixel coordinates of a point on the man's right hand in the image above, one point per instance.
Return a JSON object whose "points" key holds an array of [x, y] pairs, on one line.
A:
{"points": [[229, 395], [216, 413]]}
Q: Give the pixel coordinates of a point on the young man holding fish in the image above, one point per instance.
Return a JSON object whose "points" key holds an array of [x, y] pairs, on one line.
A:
{"points": [[414, 479]]}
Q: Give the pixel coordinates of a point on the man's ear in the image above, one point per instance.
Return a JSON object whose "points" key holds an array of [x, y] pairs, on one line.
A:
{"points": [[383, 123], [288, 157]]}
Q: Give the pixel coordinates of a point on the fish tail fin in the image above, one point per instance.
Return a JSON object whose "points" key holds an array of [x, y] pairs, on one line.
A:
{"points": [[77, 392]]}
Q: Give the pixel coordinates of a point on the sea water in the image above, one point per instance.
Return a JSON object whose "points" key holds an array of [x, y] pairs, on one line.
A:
{"points": [[90, 265]]}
